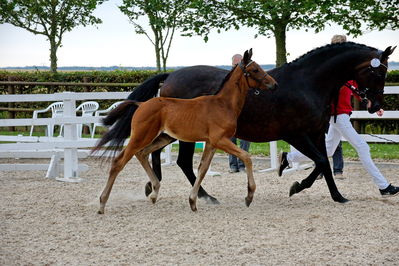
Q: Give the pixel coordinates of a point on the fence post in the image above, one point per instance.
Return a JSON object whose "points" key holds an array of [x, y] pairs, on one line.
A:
{"points": [[11, 114], [71, 173]]}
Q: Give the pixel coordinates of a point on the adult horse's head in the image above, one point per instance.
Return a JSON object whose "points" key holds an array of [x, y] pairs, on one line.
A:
{"points": [[256, 77], [370, 76]]}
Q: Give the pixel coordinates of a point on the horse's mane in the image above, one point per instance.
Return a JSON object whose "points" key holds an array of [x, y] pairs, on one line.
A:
{"points": [[322, 49]]}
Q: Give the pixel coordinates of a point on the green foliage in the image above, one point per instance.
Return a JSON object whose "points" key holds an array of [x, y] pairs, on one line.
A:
{"points": [[355, 16], [164, 17], [275, 17], [49, 18]]}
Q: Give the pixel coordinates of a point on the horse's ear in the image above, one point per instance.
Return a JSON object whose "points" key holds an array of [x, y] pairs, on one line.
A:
{"points": [[250, 54], [246, 58], [387, 52]]}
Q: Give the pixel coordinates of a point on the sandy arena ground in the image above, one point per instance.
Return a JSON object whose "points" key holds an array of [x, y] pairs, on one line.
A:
{"points": [[45, 222]]}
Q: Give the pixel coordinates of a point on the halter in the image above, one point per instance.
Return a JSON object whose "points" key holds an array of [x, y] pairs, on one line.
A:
{"points": [[247, 74], [358, 92], [373, 64]]}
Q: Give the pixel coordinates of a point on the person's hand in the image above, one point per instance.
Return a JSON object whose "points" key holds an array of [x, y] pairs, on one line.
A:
{"points": [[380, 112]]}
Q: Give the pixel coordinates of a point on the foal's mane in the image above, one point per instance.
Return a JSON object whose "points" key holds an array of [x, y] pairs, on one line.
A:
{"points": [[226, 78], [321, 50]]}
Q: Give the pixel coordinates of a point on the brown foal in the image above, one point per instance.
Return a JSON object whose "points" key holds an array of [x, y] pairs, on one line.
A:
{"points": [[212, 119]]}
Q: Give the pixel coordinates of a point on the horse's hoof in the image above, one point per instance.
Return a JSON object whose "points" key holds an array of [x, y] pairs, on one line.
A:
{"points": [[202, 194], [210, 200], [100, 212], [340, 199], [193, 204], [294, 188], [248, 201], [148, 189]]}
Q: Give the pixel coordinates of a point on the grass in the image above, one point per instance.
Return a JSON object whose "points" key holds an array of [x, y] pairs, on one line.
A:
{"points": [[384, 151]]}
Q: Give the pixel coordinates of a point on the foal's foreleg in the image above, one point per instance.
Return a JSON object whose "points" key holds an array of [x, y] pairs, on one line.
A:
{"points": [[229, 147], [206, 159]]}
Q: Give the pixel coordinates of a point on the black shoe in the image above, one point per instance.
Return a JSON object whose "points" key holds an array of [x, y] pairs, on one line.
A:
{"points": [[282, 160], [390, 191]]}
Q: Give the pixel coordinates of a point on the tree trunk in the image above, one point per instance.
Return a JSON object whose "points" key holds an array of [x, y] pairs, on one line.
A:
{"points": [[280, 38], [157, 46], [53, 56]]}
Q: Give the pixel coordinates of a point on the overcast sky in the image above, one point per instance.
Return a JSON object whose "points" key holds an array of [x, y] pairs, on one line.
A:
{"points": [[114, 43]]}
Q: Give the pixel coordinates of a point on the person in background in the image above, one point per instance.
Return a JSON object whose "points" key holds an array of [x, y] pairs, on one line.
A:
{"points": [[338, 160], [342, 127], [236, 165]]}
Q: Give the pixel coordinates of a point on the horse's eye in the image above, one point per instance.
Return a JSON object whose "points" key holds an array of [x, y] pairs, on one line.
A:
{"points": [[256, 71]]}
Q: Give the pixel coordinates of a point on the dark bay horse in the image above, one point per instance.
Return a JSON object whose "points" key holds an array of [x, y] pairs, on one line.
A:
{"points": [[298, 112], [211, 118]]}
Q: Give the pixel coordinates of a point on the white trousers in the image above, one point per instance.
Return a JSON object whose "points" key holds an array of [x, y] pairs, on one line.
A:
{"points": [[344, 128]]}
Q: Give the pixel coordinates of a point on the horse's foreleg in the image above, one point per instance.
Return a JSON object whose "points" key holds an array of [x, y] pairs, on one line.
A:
{"points": [[185, 162], [228, 146], [317, 152], [206, 159]]}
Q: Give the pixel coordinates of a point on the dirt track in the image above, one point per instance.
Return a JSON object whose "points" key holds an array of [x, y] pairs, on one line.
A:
{"points": [[48, 222]]}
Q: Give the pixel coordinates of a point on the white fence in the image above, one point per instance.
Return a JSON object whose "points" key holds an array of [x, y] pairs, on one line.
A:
{"points": [[67, 147], [56, 147]]}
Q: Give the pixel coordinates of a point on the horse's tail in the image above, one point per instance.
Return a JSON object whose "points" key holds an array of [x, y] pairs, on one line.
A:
{"points": [[119, 120]]}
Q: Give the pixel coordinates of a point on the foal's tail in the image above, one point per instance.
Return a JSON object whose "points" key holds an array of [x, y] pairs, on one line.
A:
{"points": [[119, 120]]}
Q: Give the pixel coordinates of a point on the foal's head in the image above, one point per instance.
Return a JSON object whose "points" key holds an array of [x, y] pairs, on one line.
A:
{"points": [[256, 77]]}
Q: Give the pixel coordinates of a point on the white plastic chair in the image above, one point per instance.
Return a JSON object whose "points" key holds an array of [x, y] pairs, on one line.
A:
{"points": [[57, 110], [101, 113], [87, 109]]}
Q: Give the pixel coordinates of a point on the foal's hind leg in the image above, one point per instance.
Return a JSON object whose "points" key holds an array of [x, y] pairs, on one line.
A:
{"points": [[206, 159], [226, 145], [143, 155], [117, 165]]}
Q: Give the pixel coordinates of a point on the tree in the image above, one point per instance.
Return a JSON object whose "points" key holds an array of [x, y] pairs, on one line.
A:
{"points": [[51, 18], [273, 18], [356, 16], [164, 17]]}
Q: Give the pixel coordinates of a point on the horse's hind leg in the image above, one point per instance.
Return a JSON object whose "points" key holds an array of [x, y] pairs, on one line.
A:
{"points": [[226, 145], [206, 159]]}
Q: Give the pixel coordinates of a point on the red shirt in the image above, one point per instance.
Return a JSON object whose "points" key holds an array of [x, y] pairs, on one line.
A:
{"points": [[344, 100]]}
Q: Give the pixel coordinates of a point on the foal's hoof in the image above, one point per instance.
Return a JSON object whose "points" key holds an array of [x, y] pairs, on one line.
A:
{"points": [[193, 204], [248, 201], [295, 188], [100, 212], [148, 189], [153, 199]]}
